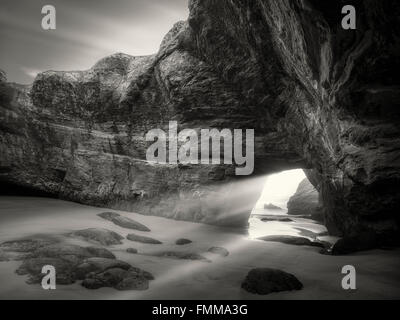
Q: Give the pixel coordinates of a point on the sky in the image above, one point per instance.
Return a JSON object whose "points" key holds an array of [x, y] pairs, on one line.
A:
{"points": [[86, 31], [279, 187]]}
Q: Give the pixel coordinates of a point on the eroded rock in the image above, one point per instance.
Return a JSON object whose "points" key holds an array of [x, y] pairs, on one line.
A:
{"points": [[97, 267], [102, 236], [117, 278], [142, 239], [265, 281], [279, 219], [181, 242], [4, 256], [219, 250], [122, 221], [181, 255], [27, 245], [65, 273]]}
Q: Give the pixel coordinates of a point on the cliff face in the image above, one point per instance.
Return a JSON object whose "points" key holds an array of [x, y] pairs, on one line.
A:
{"points": [[305, 201], [319, 97]]}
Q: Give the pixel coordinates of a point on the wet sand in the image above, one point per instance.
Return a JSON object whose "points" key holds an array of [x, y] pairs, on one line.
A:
{"points": [[378, 275]]}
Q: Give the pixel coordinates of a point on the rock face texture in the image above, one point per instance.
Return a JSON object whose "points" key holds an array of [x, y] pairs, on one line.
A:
{"points": [[319, 98], [305, 201]]}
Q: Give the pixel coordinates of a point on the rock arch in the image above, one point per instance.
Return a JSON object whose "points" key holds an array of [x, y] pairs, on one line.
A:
{"points": [[318, 97]]}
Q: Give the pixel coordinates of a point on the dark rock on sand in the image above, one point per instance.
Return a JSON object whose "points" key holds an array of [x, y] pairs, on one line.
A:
{"points": [[326, 251], [100, 252], [99, 265], [271, 206], [11, 256], [122, 221], [279, 219], [117, 278], [293, 240], [181, 255], [103, 236], [181, 242], [26, 245], [71, 252], [118, 274], [142, 239], [4, 256], [265, 280], [219, 250], [132, 250], [65, 273]]}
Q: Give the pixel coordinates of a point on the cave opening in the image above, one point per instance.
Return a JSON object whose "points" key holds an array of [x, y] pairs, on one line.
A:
{"points": [[288, 205], [11, 189]]}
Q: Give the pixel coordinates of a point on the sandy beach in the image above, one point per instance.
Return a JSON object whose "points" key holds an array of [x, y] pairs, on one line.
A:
{"points": [[221, 278]]}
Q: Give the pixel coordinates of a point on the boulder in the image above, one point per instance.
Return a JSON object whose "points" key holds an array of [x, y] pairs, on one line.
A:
{"points": [[219, 250], [122, 221], [4, 256], [142, 239], [117, 278], [97, 267], [264, 281], [102, 236], [278, 218], [28, 244], [181, 242], [65, 273], [181, 255], [100, 252]]}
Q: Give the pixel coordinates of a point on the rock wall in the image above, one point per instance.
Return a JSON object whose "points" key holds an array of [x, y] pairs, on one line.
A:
{"points": [[305, 202], [319, 97]]}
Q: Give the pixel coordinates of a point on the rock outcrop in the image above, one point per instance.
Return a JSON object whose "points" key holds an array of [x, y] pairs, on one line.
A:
{"points": [[104, 237], [142, 239], [122, 221], [319, 98], [266, 280], [305, 202], [219, 250], [97, 267], [183, 241]]}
